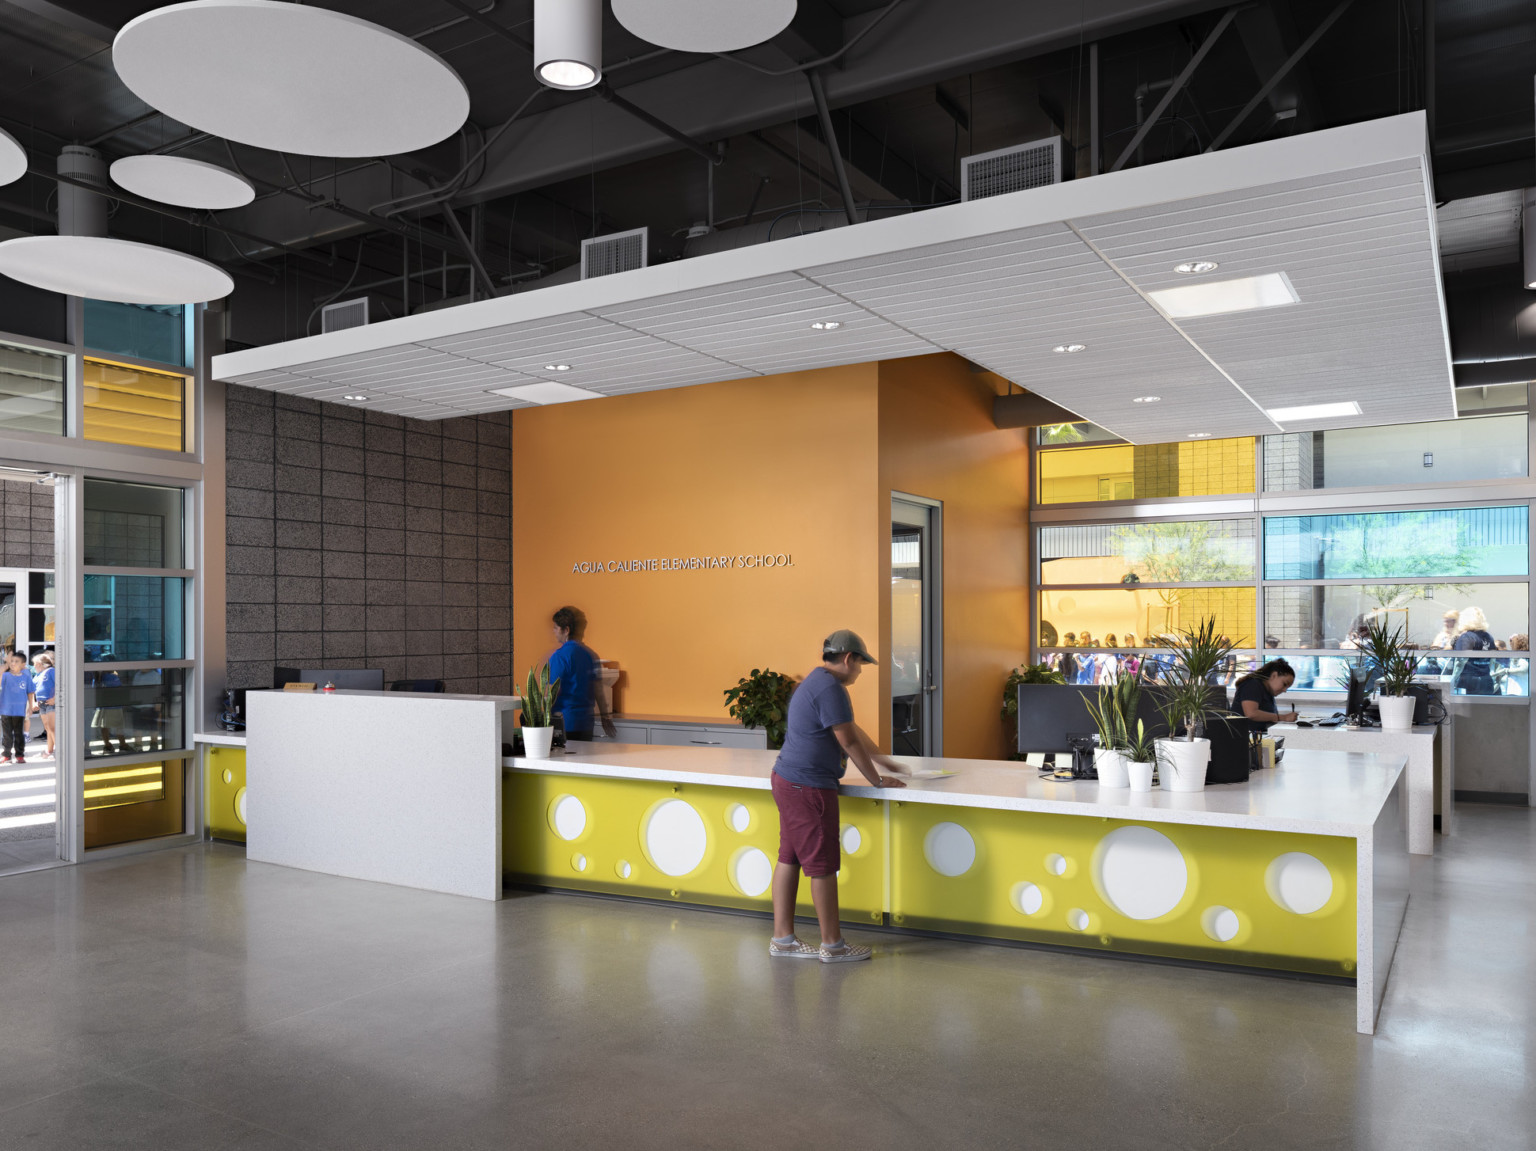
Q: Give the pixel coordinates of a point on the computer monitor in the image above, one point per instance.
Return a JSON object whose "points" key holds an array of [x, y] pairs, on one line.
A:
{"points": [[1051, 714], [1354, 706], [346, 678]]}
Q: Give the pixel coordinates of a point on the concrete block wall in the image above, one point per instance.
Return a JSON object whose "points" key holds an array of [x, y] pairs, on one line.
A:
{"points": [[359, 539], [27, 538]]}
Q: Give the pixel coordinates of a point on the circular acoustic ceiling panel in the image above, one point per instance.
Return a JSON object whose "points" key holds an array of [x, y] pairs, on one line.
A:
{"points": [[290, 77], [100, 268], [186, 183], [13, 159], [705, 25]]}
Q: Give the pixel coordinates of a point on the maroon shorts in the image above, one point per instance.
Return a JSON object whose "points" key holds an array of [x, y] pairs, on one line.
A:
{"points": [[808, 827]]}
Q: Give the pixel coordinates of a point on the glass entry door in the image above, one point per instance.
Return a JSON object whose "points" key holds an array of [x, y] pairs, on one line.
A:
{"points": [[916, 701]]}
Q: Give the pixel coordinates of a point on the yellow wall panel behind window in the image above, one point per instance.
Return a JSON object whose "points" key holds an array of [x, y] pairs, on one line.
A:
{"points": [[1145, 471], [127, 405]]}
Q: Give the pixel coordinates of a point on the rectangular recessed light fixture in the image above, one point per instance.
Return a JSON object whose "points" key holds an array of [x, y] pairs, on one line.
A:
{"points": [[1218, 297], [1313, 412], [546, 393]]}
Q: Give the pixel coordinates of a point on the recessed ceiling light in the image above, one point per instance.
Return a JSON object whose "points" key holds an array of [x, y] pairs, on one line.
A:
{"points": [[827, 325], [1218, 297], [1196, 267], [557, 367], [1314, 412], [1199, 435], [355, 399], [1147, 399], [546, 393], [1070, 348]]}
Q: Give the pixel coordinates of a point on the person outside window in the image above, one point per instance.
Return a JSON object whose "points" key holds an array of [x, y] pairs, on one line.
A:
{"points": [[15, 704], [1476, 676], [819, 731], [1254, 698], [45, 695], [578, 696]]}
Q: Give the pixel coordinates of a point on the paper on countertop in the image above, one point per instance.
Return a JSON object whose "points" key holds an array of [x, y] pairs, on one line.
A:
{"points": [[926, 773]]}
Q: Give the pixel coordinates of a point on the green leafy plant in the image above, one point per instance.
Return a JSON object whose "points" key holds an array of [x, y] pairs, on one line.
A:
{"points": [[1386, 653], [539, 698], [761, 699], [1141, 747], [1026, 673], [1184, 696], [1115, 711]]}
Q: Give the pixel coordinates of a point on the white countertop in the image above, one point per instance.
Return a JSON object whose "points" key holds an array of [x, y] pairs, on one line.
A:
{"points": [[1315, 792], [220, 738], [508, 702]]}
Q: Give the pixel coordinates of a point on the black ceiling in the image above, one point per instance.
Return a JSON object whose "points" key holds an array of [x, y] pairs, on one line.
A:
{"points": [[997, 74]]}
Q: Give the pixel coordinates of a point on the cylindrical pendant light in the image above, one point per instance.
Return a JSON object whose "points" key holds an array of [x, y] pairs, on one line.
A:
{"points": [[1528, 238], [568, 42]]}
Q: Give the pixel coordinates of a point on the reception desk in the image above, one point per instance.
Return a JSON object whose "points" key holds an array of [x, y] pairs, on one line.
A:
{"points": [[1424, 749], [1301, 870]]}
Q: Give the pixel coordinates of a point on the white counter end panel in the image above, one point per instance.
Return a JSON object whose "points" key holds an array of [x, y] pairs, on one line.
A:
{"points": [[395, 787]]}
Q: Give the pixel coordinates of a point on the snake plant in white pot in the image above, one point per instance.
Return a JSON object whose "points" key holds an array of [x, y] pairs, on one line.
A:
{"points": [[538, 712], [1114, 715], [1187, 698], [1386, 653]]}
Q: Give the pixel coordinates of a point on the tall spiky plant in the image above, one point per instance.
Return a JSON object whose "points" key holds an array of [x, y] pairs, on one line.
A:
{"points": [[539, 698], [1386, 654], [1115, 712], [1184, 697]]}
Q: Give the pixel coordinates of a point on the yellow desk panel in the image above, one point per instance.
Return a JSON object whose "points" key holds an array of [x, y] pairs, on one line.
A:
{"points": [[224, 792], [686, 842], [1214, 894]]}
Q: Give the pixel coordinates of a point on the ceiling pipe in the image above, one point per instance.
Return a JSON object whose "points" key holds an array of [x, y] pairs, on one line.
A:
{"points": [[829, 136], [639, 113]]}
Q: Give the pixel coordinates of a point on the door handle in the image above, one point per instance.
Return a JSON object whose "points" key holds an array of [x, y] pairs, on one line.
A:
{"points": [[930, 686]]}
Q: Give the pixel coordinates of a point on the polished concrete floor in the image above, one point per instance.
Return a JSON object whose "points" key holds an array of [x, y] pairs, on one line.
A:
{"points": [[187, 999]]}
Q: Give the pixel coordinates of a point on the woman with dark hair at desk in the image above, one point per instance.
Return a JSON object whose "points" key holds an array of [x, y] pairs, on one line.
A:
{"points": [[1254, 698]]}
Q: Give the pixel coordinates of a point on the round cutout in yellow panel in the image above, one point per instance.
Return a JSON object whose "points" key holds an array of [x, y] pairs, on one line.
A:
{"points": [[949, 849], [751, 872], [1028, 898], [738, 818], [852, 840], [579, 861], [623, 869], [1299, 883], [674, 837], [1139, 872], [240, 806], [1220, 923], [567, 817]]}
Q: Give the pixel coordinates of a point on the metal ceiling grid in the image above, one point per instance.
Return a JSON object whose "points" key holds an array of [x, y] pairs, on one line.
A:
{"points": [[1006, 301], [764, 325], [1359, 250]]}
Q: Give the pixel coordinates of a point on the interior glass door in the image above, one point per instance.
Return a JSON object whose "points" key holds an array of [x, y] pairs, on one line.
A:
{"points": [[916, 684]]}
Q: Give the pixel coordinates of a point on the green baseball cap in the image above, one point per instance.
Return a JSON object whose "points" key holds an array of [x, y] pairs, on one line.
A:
{"points": [[845, 642]]}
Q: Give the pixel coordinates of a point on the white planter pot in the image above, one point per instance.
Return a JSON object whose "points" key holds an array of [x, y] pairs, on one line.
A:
{"points": [[1182, 764], [1111, 768], [537, 741], [1396, 712], [1140, 775]]}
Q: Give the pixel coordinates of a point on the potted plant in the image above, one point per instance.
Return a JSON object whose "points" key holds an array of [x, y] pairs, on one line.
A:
{"points": [[1026, 673], [538, 712], [1185, 700], [1141, 756], [762, 700], [1113, 715], [1386, 652]]}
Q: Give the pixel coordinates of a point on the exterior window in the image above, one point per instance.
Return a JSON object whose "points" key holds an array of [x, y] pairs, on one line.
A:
{"points": [[1123, 471], [133, 525], [125, 802], [1132, 618], [1330, 615], [1450, 451], [1187, 551], [133, 711], [1443, 543], [131, 619], [155, 332], [31, 390], [1084, 433], [127, 405]]}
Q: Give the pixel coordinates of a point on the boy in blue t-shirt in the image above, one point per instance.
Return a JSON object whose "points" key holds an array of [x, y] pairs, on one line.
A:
{"points": [[15, 703]]}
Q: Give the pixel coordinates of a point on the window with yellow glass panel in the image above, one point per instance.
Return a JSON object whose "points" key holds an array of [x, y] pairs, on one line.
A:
{"points": [[135, 406], [1142, 617], [135, 801], [1102, 472]]}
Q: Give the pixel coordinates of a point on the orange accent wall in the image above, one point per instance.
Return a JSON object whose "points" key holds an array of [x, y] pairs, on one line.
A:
{"points": [[937, 440], [802, 463], [779, 465]]}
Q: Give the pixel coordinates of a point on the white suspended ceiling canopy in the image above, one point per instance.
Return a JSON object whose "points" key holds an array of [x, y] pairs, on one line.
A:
{"points": [[1342, 219]]}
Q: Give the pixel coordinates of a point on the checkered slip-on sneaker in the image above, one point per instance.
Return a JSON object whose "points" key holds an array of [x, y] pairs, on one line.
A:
{"points": [[799, 949], [844, 953]]}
